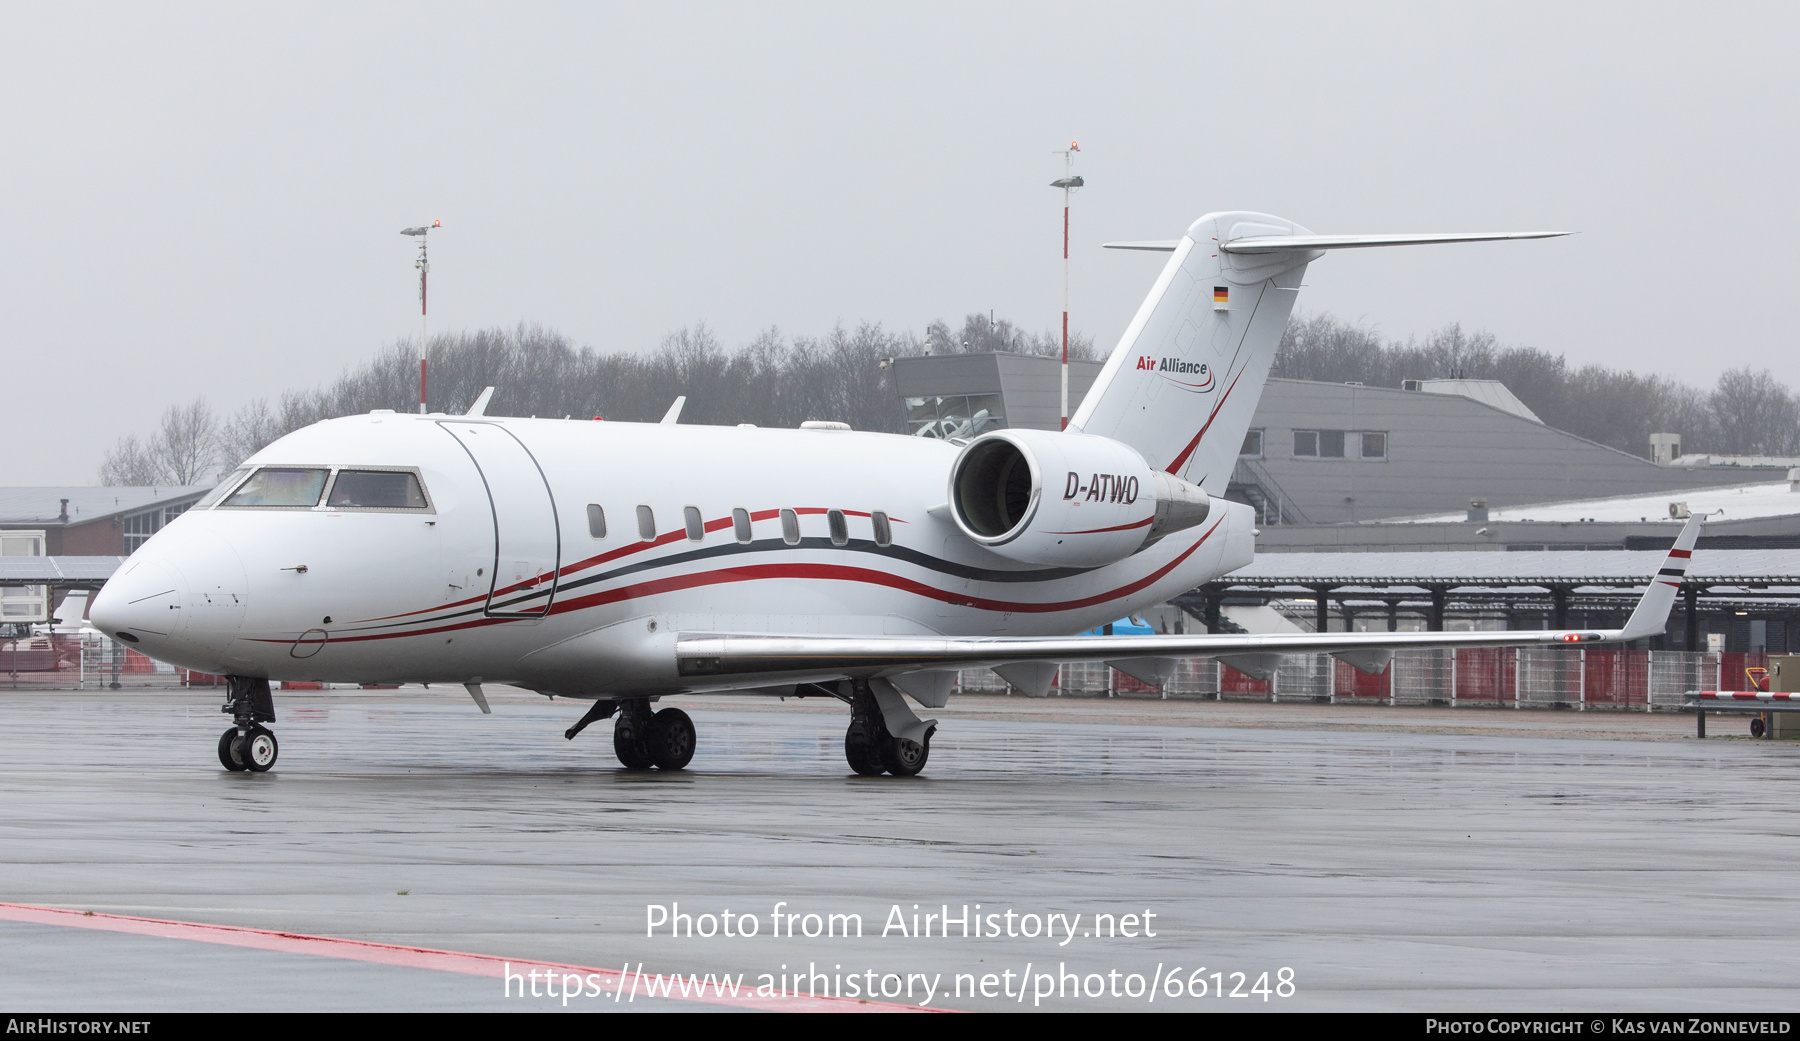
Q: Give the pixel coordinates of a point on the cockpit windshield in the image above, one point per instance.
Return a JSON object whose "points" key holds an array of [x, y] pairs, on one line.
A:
{"points": [[281, 486], [377, 489]]}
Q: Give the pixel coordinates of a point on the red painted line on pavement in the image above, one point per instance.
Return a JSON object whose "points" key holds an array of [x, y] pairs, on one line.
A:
{"points": [[613, 980]]}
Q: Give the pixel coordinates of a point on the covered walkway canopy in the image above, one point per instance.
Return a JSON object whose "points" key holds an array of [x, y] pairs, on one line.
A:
{"points": [[1540, 583]]}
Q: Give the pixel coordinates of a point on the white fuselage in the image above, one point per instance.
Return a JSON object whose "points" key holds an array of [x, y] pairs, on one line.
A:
{"points": [[500, 579]]}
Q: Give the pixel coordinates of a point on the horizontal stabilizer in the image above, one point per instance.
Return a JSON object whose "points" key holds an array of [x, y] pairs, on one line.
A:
{"points": [[1154, 246], [1296, 243]]}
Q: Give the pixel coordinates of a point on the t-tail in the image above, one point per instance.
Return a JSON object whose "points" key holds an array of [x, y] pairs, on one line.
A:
{"points": [[1183, 384]]}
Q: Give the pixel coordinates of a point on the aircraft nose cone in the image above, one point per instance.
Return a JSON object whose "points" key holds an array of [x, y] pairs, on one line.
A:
{"points": [[179, 599], [140, 603]]}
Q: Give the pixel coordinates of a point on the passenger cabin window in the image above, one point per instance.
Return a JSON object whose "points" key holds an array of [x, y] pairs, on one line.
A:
{"points": [[596, 520], [646, 524], [376, 489], [740, 524], [840, 530], [281, 486], [696, 528], [790, 528], [884, 532]]}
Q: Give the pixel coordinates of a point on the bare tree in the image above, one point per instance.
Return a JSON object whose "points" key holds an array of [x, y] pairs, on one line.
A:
{"points": [[188, 443], [130, 463], [247, 432], [1755, 414], [1748, 412]]}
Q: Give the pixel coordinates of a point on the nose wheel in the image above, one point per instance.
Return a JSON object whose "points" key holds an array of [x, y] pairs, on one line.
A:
{"points": [[228, 751], [248, 746], [254, 751]]}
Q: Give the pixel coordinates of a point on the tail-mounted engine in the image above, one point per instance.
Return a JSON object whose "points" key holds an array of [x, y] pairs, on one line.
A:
{"points": [[1044, 497]]}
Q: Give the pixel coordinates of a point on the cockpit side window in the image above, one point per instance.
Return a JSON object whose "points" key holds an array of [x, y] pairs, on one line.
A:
{"points": [[221, 488], [377, 489], [281, 486]]}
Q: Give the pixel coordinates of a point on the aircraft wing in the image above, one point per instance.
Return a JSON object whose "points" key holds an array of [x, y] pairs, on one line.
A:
{"points": [[801, 657]]}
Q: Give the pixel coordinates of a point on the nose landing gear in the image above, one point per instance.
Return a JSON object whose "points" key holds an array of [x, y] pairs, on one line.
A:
{"points": [[247, 745]]}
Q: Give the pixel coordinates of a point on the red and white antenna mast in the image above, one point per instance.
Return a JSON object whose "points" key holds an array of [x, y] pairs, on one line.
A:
{"points": [[1068, 182], [424, 266]]}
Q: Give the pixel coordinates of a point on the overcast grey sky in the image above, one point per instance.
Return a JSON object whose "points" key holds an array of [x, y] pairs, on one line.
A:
{"points": [[205, 199]]}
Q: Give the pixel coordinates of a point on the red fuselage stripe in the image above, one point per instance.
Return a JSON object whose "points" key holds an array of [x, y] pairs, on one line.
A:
{"points": [[1102, 531], [825, 572]]}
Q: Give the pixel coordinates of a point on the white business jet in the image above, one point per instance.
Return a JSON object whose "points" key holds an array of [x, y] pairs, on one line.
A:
{"points": [[626, 562]]}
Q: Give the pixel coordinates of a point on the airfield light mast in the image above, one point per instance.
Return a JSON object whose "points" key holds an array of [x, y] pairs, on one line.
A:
{"points": [[1068, 182], [424, 266]]}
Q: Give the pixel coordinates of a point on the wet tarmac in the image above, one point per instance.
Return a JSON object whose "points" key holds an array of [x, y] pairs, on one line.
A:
{"points": [[1387, 859]]}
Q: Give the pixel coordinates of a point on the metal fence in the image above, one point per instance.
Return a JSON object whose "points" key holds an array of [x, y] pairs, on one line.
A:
{"points": [[1509, 677], [88, 661], [1513, 677]]}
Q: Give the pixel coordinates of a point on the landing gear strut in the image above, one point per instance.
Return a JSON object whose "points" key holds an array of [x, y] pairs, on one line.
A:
{"points": [[248, 745], [641, 739], [870, 748]]}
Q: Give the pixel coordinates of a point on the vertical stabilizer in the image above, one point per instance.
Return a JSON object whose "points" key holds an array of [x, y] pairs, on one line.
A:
{"points": [[1183, 383]]}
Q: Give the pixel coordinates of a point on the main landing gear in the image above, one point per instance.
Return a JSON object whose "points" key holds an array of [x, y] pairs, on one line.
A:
{"points": [[641, 738], [870, 745], [248, 745]]}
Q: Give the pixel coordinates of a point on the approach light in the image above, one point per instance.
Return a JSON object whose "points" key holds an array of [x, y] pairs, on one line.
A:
{"points": [[1068, 182]]}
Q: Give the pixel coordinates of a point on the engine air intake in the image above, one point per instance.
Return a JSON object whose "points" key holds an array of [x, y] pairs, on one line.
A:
{"points": [[995, 489]]}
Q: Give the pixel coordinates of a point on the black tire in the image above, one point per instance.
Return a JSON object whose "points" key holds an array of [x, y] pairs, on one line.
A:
{"points": [[905, 758], [671, 739], [1756, 726], [861, 752], [630, 744], [228, 757], [258, 750]]}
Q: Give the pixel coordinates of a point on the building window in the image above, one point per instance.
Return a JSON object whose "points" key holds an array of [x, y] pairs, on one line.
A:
{"points": [[1336, 444], [790, 527], [740, 524], [140, 526], [1252, 445], [646, 524], [596, 520], [696, 528], [956, 415], [884, 532], [840, 529]]}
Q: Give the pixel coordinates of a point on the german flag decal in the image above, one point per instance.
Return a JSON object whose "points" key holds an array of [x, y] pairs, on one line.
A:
{"points": [[1221, 295]]}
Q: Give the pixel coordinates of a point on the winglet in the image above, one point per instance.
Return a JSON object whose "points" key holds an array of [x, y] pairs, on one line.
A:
{"points": [[1652, 614], [673, 416], [481, 403]]}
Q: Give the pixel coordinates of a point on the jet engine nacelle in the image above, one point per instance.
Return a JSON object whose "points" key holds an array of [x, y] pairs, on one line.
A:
{"points": [[1044, 497]]}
